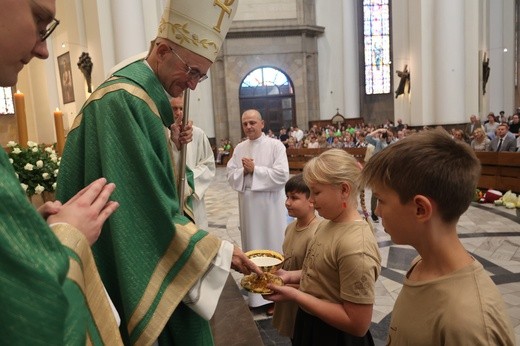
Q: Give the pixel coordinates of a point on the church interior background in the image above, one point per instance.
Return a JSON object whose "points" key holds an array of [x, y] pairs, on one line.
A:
{"points": [[299, 61]]}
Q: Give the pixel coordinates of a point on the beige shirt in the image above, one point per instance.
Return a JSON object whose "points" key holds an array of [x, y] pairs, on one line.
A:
{"points": [[461, 308], [342, 263], [294, 248]]}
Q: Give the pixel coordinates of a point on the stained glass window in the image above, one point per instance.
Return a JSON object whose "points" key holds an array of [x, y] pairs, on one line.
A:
{"points": [[6, 101], [376, 28]]}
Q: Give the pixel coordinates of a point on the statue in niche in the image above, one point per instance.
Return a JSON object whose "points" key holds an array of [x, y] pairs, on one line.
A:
{"points": [[85, 66], [405, 79], [485, 73]]}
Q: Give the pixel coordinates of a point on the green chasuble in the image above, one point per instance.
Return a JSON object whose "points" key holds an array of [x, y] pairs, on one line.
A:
{"points": [[50, 292], [148, 255]]}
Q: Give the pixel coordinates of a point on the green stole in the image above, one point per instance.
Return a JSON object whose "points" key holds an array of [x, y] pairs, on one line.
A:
{"points": [[48, 290], [148, 255]]}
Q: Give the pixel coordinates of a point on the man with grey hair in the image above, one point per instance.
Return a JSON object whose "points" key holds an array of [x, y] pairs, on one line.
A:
{"points": [[163, 272]]}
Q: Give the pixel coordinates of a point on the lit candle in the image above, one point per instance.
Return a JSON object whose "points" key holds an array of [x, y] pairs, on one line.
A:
{"points": [[21, 119], [60, 135]]}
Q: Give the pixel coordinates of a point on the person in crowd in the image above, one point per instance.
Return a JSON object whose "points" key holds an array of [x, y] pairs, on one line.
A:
{"points": [[258, 171], [284, 137], [503, 141], [514, 126], [380, 139], [163, 273], [200, 161], [50, 290], [458, 135], [297, 236], [223, 150], [297, 133], [337, 283], [491, 125], [337, 143], [469, 129], [480, 141], [313, 142], [447, 297]]}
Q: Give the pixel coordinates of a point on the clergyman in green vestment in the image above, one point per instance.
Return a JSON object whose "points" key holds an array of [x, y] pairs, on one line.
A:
{"points": [[155, 263], [50, 290]]}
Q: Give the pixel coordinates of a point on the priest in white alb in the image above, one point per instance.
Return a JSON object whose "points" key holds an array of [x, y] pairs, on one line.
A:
{"points": [[258, 170]]}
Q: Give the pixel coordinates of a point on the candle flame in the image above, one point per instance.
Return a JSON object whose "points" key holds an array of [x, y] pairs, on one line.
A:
{"points": [[57, 109]]}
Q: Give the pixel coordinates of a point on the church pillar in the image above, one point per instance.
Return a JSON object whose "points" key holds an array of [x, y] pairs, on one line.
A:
{"points": [[128, 26], [350, 61], [448, 62]]}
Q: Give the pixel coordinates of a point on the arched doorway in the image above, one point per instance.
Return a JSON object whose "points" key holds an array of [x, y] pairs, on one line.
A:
{"points": [[271, 92]]}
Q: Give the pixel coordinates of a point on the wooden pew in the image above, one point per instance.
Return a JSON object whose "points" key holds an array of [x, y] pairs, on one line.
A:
{"points": [[500, 171], [298, 157]]}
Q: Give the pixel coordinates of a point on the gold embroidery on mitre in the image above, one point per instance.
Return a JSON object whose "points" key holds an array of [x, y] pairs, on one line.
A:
{"points": [[225, 8], [183, 35]]}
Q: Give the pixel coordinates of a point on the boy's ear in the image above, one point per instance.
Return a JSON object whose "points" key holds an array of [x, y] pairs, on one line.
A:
{"points": [[423, 207]]}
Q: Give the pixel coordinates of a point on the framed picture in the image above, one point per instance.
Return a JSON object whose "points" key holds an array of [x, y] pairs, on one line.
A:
{"points": [[67, 88]]}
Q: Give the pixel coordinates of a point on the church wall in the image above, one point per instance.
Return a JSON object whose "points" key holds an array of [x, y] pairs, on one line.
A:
{"points": [[401, 57], [243, 55]]}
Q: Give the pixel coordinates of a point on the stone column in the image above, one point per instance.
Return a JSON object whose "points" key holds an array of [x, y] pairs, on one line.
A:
{"points": [[350, 61], [128, 26], [448, 61]]}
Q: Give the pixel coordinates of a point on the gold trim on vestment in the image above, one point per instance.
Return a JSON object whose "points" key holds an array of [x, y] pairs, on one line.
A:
{"points": [[203, 253], [87, 278], [130, 88]]}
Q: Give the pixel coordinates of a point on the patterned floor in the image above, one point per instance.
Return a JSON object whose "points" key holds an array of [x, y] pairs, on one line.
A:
{"points": [[491, 234]]}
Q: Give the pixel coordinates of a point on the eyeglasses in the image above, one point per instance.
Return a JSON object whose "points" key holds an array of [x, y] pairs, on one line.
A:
{"points": [[49, 29], [192, 73]]}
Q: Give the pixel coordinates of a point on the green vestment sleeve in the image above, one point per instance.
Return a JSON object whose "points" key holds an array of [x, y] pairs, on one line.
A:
{"points": [[148, 255], [41, 304]]}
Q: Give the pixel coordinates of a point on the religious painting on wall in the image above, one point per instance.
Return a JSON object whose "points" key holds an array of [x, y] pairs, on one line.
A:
{"points": [[67, 88]]}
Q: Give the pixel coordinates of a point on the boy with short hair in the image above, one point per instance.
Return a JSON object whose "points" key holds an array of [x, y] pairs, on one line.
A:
{"points": [[423, 184], [297, 236]]}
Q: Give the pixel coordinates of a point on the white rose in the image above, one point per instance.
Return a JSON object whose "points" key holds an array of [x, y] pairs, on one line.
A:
{"points": [[17, 176], [56, 172], [54, 186], [34, 149], [28, 167], [54, 158], [16, 151], [11, 144], [32, 144], [11, 160], [46, 176], [49, 150], [24, 186], [39, 163], [38, 189]]}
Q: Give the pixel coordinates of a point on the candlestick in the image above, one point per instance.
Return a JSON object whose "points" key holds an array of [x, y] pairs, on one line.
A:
{"points": [[60, 135], [21, 119]]}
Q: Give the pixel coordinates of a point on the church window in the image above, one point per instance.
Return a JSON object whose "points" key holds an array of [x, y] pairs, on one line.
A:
{"points": [[270, 91], [376, 29]]}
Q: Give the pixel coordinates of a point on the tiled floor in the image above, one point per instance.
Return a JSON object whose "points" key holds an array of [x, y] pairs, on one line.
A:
{"points": [[491, 234]]}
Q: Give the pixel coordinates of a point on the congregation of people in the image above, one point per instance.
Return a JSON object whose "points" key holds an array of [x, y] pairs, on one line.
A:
{"points": [[480, 135]]}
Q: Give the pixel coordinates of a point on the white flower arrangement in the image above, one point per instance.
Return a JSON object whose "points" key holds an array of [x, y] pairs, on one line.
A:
{"points": [[36, 166]]}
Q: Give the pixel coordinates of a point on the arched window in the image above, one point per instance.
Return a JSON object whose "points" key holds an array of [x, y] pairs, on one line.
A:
{"points": [[6, 101], [376, 28], [270, 91]]}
